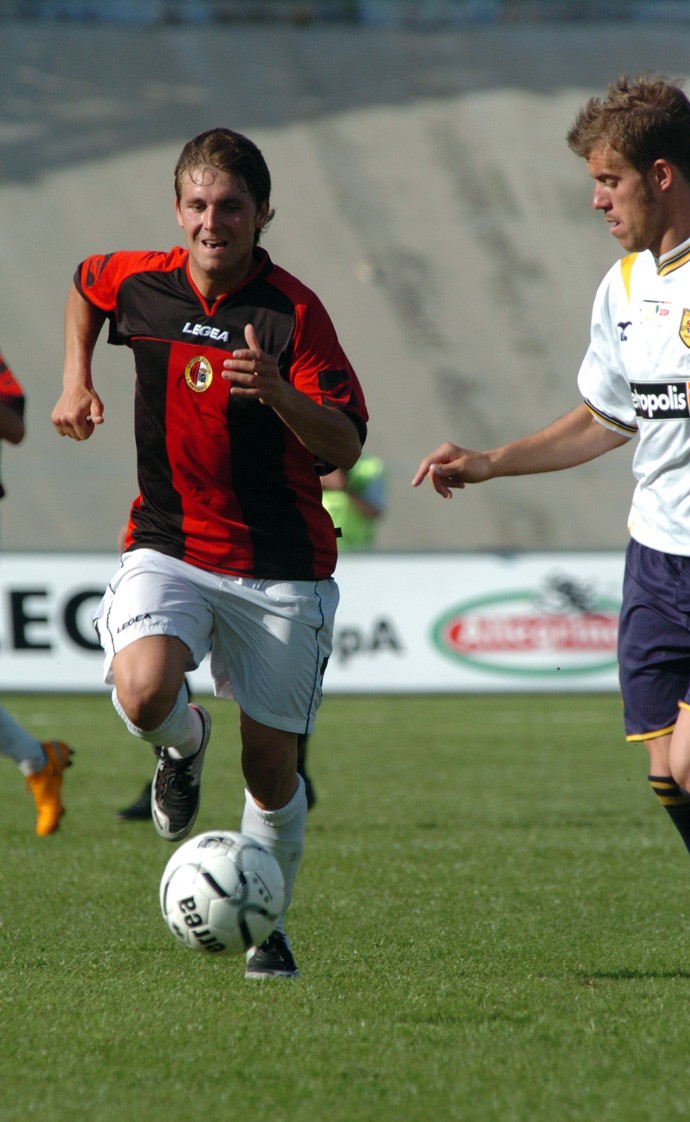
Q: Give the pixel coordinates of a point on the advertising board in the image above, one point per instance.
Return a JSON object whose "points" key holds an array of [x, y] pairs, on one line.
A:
{"points": [[406, 623]]}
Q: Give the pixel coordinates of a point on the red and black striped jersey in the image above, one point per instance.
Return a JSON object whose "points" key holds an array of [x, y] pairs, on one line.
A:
{"points": [[11, 395], [223, 483]]}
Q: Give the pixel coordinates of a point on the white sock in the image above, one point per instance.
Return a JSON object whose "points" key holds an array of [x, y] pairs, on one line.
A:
{"points": [[180, 732], [281, 832], [19, 745]]}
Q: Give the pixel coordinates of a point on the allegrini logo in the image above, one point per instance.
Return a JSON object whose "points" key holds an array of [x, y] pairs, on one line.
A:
{"points": [[558, 630]]}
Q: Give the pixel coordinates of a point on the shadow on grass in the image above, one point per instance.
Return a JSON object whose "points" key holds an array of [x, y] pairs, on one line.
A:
{"points": [[591, 977]]}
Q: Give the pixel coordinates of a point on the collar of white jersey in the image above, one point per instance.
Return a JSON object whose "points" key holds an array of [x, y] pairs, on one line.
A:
{"points": [[669, 262]]}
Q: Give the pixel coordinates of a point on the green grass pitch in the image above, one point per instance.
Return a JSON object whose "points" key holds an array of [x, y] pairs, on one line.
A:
{"points": [[491, 921]]}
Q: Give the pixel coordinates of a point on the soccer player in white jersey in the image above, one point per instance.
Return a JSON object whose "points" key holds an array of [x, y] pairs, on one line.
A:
{"points": [[635, 383]]}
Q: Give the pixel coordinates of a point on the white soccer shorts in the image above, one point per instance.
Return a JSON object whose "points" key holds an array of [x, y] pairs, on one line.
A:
{"points": [[269, 640]]}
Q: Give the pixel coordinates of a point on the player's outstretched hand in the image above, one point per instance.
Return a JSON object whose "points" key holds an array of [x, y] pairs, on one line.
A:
{"points": [[77, 412], [451, 467]]}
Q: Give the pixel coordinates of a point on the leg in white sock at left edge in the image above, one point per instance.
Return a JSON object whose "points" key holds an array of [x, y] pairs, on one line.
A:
{"points": [[26, 751]]}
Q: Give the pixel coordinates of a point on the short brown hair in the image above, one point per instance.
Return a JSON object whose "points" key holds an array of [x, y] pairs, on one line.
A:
{"points": [[643, 119], [232, 153]]}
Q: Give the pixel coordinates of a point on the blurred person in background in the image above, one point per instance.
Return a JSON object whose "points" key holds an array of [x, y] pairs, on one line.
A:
{"points": [[356, 500]]}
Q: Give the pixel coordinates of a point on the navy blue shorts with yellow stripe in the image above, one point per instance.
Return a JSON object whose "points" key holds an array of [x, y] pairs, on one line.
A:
{"points": [[654, 640]]}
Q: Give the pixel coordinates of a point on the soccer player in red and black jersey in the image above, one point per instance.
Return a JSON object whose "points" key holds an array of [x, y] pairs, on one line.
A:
{"points": [[42, 763], [243, 397]]}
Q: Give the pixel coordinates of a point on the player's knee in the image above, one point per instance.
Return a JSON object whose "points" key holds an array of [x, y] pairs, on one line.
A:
{"points": [[145, 704]]}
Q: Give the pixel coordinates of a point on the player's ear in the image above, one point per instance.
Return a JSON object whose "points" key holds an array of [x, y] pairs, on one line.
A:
{"points": [[178, 216], [261, 216], [663, 173]]}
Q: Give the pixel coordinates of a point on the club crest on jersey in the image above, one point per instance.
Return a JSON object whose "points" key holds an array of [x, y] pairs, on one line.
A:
{"points": [[198, 374], [684, 331]]}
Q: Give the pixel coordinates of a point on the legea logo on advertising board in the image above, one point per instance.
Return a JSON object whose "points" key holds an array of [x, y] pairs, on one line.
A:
{"points": [[564, 627]]}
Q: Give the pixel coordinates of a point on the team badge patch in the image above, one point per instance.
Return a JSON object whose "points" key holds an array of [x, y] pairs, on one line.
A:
{"points": [[198, 374], [684, 331]]}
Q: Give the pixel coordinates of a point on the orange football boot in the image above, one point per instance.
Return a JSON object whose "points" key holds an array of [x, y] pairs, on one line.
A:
{"points": [[46, 786]]}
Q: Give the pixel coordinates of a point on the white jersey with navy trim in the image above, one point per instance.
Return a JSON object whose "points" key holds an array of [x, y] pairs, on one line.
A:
{"points": [[635, 378]]}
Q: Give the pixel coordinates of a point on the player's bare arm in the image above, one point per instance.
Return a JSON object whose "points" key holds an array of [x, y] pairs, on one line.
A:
{"points": [[11, 425], [328, 433], [79, 407], [573, 439]]}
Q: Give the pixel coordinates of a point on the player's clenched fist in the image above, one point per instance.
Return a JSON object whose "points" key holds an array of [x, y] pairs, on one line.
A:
{"points": [[76, 413]]}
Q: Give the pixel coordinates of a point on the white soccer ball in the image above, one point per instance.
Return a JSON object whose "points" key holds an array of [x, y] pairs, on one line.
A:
{"points": [[221, 892]]}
